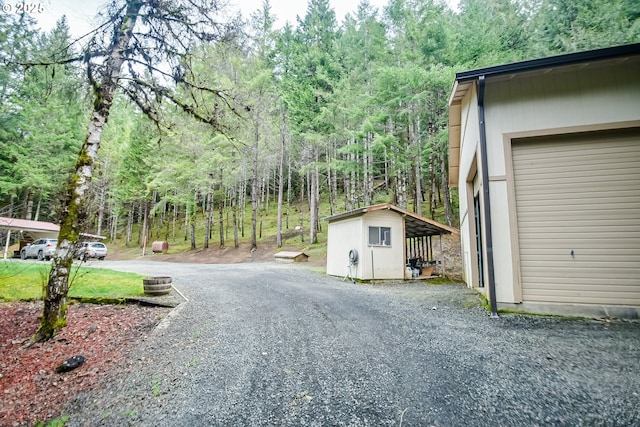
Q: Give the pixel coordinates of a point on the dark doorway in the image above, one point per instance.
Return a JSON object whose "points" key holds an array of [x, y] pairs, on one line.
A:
{"points": [[479, 246]]}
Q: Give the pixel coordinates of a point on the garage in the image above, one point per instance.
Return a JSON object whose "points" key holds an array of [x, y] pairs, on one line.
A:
{"points": [[545, 154], [578, 217]]}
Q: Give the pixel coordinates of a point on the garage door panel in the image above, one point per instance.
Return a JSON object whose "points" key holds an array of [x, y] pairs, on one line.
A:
{"points": [[594, 260], [608, 182], [582, 241], [555, 248], [560, 170], [601, 200], [623, 285], [579, 193], [572, 297]]}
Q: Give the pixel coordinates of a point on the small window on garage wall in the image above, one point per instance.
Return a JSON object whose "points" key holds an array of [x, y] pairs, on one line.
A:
{"points": [[379, 236]]}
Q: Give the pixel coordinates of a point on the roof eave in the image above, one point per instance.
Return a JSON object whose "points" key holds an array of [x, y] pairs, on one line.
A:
{"points": [[550, 62]]}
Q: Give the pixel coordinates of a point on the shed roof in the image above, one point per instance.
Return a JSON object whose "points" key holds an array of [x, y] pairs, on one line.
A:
{"points": [[415, 225], [466, 79]]}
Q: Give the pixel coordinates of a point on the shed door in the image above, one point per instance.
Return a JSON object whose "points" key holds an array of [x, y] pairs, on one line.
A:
{"points": [[578, 216]]}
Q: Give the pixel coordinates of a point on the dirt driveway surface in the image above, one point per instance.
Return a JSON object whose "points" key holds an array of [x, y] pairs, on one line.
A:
{"points": [[278, 345]]}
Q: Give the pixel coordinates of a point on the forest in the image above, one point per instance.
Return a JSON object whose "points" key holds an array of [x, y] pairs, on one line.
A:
{"points": [[299, 122]]}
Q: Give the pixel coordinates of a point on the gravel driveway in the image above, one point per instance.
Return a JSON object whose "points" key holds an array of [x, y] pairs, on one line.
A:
{"points": [[279, 345]]}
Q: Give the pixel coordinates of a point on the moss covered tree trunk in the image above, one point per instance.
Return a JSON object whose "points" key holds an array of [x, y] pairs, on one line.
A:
{"points": [[73, 213]]}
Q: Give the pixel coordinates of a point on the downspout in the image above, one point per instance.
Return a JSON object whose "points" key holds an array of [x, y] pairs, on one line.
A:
{"points": [[485, 198]]}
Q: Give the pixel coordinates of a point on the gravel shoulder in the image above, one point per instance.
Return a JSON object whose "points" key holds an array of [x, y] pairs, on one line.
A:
{"points": [[270, 344]]}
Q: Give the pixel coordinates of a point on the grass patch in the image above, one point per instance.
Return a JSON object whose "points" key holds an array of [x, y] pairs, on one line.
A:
{"points": [[24, 281]]}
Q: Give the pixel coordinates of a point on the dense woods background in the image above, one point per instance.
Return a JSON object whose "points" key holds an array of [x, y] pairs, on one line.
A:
{"points": [[315, 118]]}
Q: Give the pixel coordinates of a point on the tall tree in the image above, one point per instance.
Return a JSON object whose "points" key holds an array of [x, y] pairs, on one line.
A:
{"points": [[150, 41], [310, 82], [568, 26]]}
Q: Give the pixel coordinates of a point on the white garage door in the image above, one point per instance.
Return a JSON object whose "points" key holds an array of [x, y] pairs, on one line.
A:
{"points": [[578, 215]]}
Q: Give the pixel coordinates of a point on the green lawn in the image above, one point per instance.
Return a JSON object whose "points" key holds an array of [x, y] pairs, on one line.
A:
{"points": [[24, 281]]}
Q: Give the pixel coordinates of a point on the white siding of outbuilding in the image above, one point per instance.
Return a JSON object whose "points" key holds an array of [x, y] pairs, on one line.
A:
{"points": [[374, 262], [383, 262], [342, 236]]}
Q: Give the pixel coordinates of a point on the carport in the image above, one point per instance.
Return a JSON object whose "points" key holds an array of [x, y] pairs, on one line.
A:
{"points": [[33, 230]]}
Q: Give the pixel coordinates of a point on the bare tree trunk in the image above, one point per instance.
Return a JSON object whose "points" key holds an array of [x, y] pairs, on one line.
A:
{"points": [[37, 215], [129, 225], [283, 140], [330, 181], [73, 214], [101, 207], [446, 193], [414, 140], [221, 222], [352, 201], [192, 221], [140, 217], [144, 208], [207, 224], [175, 218], [114, 228], [313, 201], [368, 173], [186, 221], [12, 202], [234, 204], [29, 209], [254, 189], [288, 191]]}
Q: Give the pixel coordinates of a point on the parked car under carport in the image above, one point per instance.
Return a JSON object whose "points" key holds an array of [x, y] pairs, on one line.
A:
{"points": [[43, 249]]}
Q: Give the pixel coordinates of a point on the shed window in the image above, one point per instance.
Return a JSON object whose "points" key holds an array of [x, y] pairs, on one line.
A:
{"points": [[380, 236]]}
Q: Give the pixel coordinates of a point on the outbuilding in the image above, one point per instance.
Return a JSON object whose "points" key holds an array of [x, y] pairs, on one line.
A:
{"points": [[380, 242], [546, 156], [30, 230]]}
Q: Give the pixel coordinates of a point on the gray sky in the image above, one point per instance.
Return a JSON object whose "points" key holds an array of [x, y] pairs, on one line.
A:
{"points": [[81, 12]]}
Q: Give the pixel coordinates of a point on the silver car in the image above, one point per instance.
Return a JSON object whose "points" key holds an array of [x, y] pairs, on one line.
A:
{"points": [[41, 249], [91, 250]]}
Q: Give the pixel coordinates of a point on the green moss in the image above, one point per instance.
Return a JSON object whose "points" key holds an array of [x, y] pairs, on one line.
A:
{"points": [[60, 323]]}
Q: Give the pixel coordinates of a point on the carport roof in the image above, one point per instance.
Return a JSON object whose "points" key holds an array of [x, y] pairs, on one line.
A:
{"points": [[415, 225], [41, 227], [28, 225]]}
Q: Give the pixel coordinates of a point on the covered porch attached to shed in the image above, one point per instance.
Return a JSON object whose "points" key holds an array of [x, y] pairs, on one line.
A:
{"points": [[420, 258]]}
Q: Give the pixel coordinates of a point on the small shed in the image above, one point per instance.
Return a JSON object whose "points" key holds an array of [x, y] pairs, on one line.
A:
{"points": [[380, 242], [289, 256]]}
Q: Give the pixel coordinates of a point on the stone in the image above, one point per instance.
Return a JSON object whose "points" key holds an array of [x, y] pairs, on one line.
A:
{"points": [[70, 364]]}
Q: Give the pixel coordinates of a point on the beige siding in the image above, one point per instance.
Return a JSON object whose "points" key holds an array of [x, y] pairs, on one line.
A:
{"points": [[559, 102], [579, 194]]}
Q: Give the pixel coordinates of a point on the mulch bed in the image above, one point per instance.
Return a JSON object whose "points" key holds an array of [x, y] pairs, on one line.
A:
{"points": [[30, 388]]}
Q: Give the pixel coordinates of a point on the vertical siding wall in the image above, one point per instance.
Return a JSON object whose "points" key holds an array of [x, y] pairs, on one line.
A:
{"points": [[342, 236], [383, 262], [470, 138], [375, 262], [535, 104]]}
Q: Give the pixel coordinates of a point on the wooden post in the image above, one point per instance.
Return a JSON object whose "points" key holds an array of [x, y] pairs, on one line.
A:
{"points": [[442, 255]]}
